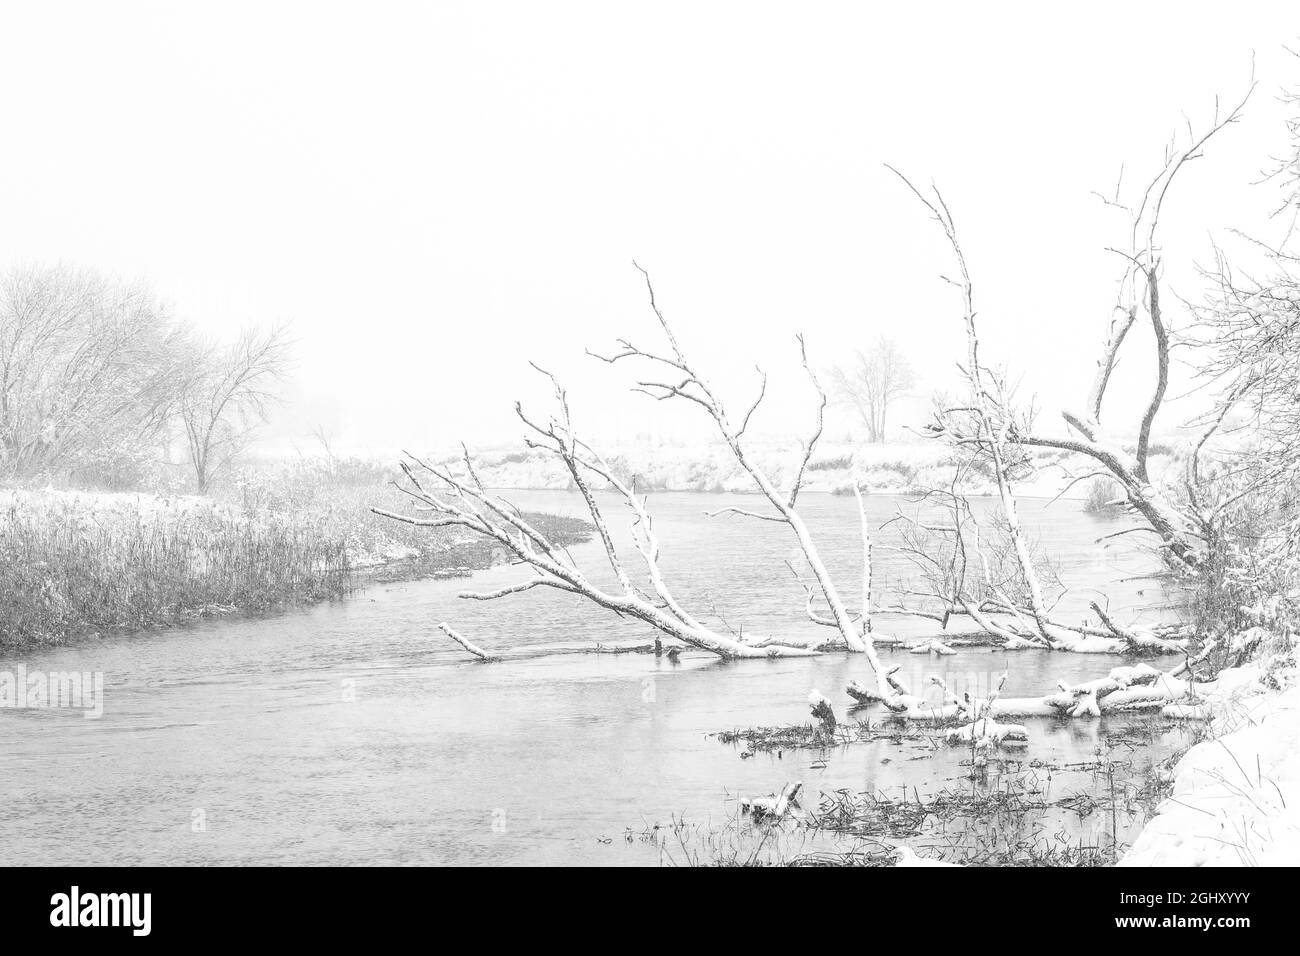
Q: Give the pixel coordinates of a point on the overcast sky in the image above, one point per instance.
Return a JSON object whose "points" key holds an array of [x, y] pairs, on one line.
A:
{"points": [[435, 193]]}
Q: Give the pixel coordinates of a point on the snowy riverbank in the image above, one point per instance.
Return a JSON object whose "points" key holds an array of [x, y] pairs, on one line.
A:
{"points": [[87, 510], [80, 563], [1236, 796], [885, 469]]}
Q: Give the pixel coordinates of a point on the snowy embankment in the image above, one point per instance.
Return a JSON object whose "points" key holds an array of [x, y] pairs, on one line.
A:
{"points": [[369, 543], [896, 468], [1236, 796]]}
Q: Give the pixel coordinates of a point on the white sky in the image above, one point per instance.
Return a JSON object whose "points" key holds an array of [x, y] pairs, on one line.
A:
{"points": [[434, 193]]}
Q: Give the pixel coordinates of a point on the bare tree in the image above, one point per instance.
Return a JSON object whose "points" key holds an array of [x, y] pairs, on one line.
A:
{"points": [[1286, 167], [1249, 342], [459, 499], [967, 566], [984, 423], [448, 498], [990, 424], [872, 386], [90, 370], [674, 377], [1252, 352], [1240, 478], [229, 392]]}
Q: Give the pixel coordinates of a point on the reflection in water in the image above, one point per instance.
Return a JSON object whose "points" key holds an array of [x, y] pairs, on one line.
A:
{"points": [[355, 733]]}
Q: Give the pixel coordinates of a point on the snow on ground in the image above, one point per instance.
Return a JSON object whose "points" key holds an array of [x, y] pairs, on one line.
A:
{"points": [[380, 554], [368, 543], [1236, 796], [893, 468], [99, 502]]}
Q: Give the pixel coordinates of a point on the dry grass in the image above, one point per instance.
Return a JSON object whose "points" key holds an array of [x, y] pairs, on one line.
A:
{"points": [[339, 493], [75, 564]]}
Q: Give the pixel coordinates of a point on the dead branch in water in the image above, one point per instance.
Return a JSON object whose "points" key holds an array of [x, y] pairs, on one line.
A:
{"points": [[465, 643], [672, 375], [445, 497]]}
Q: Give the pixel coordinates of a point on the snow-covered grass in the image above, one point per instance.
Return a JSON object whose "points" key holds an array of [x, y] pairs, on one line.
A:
{"points": [[893, 468], [77, 562], [710, 466], [74, 563], [1236, 795], [341, 493]]}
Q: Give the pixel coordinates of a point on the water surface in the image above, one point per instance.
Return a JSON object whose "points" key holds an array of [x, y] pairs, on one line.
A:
{"points": [[354, 732]]}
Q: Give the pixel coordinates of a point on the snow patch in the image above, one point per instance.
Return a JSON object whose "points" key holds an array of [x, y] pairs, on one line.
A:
{"points": [[1236, 797]]}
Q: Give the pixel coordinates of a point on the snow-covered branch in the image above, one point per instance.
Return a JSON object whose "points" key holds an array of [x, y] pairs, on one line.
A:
{"points": [[447, 497]]}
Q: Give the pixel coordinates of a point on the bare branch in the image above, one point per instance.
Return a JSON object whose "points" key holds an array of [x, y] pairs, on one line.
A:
{"points": [[465, 643], [746, 514]]}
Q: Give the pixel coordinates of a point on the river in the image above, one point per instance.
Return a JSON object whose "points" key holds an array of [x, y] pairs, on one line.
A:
{"points": [[354, 733]]}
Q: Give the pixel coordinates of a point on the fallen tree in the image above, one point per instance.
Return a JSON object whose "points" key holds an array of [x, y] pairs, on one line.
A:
{"points": [[1004, 593], [675, 377], [1126, 689], [461, 500], [447, 495]]}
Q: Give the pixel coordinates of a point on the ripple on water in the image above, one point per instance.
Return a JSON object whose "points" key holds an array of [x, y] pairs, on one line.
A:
{"points": [[352, 732]]}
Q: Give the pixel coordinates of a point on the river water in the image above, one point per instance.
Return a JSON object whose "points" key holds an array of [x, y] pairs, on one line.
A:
{"points": [[354, 732]]}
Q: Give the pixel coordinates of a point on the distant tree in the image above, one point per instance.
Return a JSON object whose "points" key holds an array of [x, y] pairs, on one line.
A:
{"points": [[880, 377], [90, 372], [228, 394]]}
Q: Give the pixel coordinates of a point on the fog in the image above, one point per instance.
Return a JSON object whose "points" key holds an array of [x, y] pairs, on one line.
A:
{"points": [[434, 194]]}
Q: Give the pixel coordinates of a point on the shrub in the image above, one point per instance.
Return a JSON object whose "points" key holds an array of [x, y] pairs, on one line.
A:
{"points": [[831, 464], [1102, 492]]}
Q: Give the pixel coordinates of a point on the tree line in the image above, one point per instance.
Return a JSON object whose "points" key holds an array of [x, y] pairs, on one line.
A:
{"points": [[99, 380]]}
